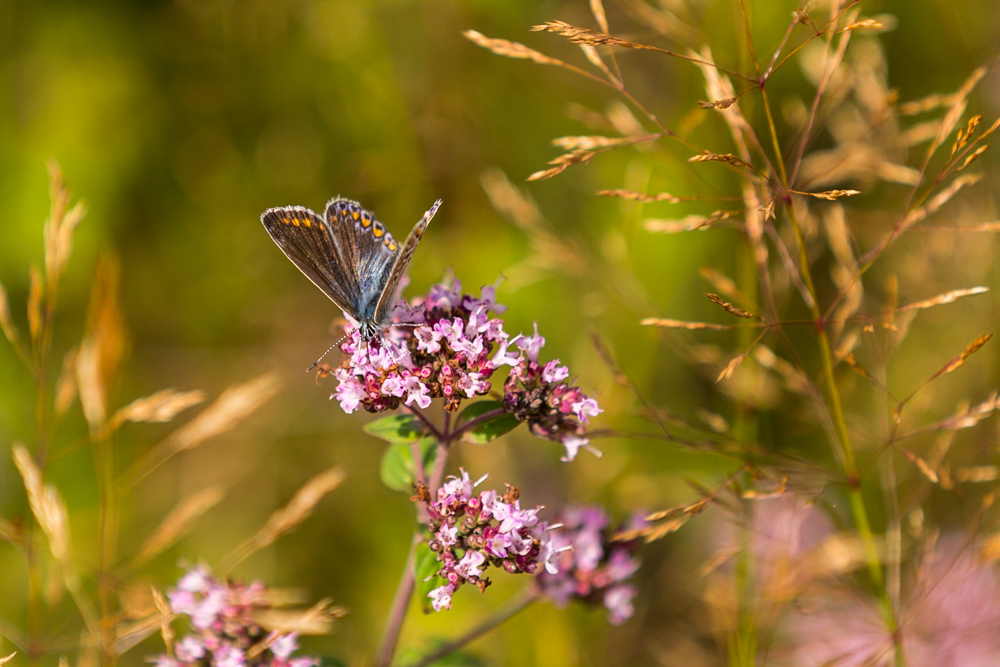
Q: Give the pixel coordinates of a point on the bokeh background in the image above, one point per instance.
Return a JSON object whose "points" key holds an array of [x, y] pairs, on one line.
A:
{"points": [[179, 122]]}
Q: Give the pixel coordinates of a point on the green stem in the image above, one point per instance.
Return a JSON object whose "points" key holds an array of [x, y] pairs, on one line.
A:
{"points": [[848, 460], [774, 137], [745, 654], [856, 498]]}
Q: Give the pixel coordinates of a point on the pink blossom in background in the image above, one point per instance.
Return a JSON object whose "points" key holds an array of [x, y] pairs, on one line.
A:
{"points": [[588, 566], [950, 616], [223, 629]]}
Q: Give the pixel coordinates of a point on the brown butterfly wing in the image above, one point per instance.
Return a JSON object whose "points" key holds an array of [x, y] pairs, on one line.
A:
{"points": [[366, 246], [306, 240]]}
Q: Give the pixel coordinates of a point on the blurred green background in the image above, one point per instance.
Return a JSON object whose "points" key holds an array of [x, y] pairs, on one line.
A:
{"points": [[179, 122]]}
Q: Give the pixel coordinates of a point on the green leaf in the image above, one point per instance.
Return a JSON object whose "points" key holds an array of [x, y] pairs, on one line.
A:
{"points": [[396, 429], [397, 469], [331, 661], [425, 567], [488, 430]]}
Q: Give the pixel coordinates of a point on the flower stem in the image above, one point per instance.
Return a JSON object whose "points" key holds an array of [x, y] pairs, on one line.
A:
{"points": [[505, 613], [473, 423], [407, 581], [397, 612], [437, 472], [426, 422]]}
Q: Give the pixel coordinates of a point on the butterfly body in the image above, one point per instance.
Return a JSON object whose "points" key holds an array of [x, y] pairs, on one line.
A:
{"points": [[348, 254]]}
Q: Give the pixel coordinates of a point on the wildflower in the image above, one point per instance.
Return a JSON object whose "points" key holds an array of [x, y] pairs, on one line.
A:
{"points": [[190, 649], [618, 601], [224, 632], [532, 345], [554, 410], [452, 353], [441, 597], [229, 656], [587, 565], [472, 532], [282, 646], [553, 372]]}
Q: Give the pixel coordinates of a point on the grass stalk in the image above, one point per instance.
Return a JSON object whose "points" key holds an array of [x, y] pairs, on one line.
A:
{"points": [[848, 460]]}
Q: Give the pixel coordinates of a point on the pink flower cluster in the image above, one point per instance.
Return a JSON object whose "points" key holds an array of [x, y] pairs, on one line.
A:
{"points": [[470, 532], [446, 345], [224, 633], [589, 566], [449, 347], [554, 409]]}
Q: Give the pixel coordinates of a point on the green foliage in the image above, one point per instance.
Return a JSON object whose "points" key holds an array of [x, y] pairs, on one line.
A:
{"points": [[490, 429], [397, 470], [399, 428]]}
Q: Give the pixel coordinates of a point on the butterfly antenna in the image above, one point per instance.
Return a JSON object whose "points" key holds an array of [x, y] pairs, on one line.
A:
{"points": [[316, 363]]}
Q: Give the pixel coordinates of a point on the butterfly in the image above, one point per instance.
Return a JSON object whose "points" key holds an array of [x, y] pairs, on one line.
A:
{"points": [[349, 255]]}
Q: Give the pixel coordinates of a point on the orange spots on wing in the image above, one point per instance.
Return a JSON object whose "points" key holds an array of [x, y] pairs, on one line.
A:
{"points": [[295, 221], [378, 231], [285, 220], [307, 223], [392, 246], [355, 215], [366, 222]]}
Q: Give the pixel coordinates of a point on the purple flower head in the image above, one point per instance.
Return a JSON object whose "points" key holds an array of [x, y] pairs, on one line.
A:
{"points": [[283, 646], [229, 656], [532, 345], [587, 565], [471, 532], [452, 354], [441, 597], [224, 632]]}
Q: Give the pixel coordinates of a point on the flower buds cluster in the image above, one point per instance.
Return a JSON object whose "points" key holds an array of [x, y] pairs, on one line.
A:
{"points": [[224, 632], [589, 566], [469, 532], [554, 409]]}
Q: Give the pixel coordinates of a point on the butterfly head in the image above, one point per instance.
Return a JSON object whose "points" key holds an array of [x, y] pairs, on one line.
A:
{"points": [[369, 330]]}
